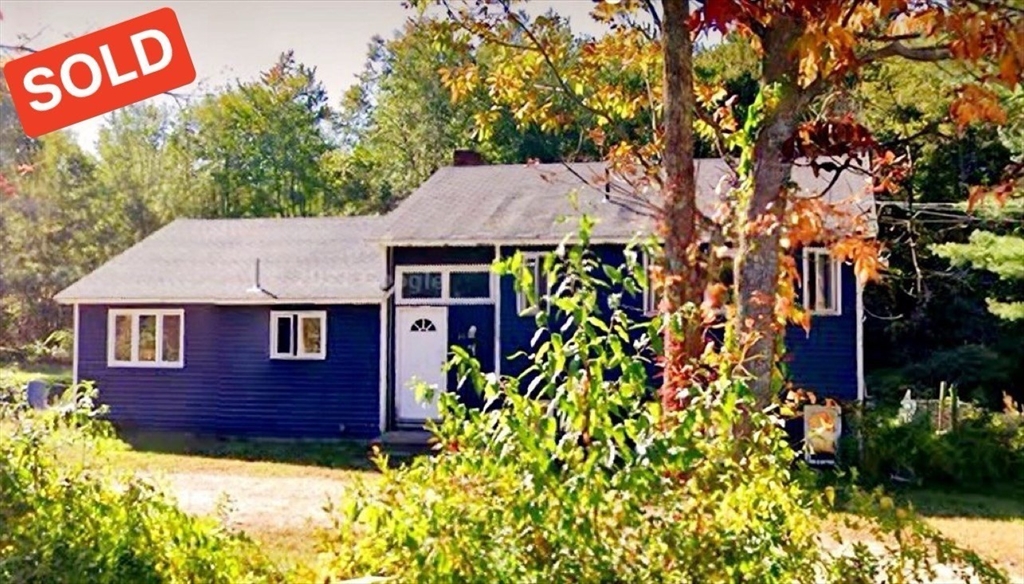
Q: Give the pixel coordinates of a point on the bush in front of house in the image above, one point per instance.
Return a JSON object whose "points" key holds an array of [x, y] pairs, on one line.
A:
{"points": [[579, 476], [64, 518], [982, 451], [981, 374]]}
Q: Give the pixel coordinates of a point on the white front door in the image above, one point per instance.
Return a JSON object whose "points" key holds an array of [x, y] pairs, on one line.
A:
{"points": [[421, 353]]}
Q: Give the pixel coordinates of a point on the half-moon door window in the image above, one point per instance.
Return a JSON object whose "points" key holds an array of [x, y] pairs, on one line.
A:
{"points": [[423, 324]]}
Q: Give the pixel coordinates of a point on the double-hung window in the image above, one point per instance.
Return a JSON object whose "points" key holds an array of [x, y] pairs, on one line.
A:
{"points": [[822, 284], [650, 299], [146, 337], [532, 299], [298, 335]]}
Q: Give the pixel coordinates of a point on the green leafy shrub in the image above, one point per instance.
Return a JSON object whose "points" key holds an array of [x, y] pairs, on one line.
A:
{"points": [[979, 372], [64, 518], [983, 451], [572, 474], [13, 380], [55, 348]]}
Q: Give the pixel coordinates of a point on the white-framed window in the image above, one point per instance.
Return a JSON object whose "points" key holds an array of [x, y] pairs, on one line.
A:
{"points": [[651, 299], [452, 284], [534, 263], [821, 282], [298, 334], [146, 337]]}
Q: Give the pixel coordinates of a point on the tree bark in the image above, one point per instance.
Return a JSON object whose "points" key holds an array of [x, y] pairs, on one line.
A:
{"points": [[757, 260], [683, 274]]}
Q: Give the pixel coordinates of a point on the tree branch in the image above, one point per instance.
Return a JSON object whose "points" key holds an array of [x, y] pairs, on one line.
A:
{"points": [[898, 49], [719, 137], [18, 48], [653, 12], [883, 38]]}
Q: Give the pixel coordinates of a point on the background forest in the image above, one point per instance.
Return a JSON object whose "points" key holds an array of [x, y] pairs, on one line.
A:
{"points": [[277, 146]]}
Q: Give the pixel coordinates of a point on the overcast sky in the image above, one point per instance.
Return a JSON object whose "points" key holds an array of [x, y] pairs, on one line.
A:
{"points": [[235, 39]]}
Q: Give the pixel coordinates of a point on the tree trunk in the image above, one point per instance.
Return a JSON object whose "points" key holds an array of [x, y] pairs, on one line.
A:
{"points": [[757, 260], [683, 276]]}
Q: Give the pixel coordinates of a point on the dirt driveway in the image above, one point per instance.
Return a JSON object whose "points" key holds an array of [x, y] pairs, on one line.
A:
{"points": [[281, 506], [256, 503]]}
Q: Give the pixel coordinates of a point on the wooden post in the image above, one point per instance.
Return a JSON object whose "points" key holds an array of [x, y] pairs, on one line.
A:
{"points": [[942, 406], [954, 408]]}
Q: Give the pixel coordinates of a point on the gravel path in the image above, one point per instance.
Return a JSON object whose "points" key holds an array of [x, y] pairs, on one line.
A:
{"points": [[275, 503]]}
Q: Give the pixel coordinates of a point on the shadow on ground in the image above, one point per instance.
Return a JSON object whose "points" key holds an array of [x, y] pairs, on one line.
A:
{"points": [[998, 505], [338, 454]]}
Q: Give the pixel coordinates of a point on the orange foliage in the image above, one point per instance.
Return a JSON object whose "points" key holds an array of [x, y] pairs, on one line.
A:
{"points": [[976, 104], [864, 253]]}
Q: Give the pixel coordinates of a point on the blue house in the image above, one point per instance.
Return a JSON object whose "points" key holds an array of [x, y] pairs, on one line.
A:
{"points": [[313, 328]]}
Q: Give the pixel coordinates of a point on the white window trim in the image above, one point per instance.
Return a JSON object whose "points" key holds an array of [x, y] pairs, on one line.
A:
{"points": [[296, 340], [445, 271], [650, 301], [837, 282], [134, 314], [523, 304]]}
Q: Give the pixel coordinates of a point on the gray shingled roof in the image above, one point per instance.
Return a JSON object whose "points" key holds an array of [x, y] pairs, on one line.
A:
{"points": [[197, 260], [523, 204], [340, 259]]}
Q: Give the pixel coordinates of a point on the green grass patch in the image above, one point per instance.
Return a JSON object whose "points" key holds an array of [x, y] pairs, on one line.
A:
{"points": [[335, 454], [18, 375], [990, 524], [1002, 506]]}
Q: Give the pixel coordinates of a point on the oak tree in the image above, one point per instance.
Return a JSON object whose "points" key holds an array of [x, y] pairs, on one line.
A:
{"points": [[809, 53]]}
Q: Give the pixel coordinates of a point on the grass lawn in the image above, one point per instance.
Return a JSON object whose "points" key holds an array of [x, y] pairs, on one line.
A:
{"points": [[17, 376], [163, 452], [991, 525]]}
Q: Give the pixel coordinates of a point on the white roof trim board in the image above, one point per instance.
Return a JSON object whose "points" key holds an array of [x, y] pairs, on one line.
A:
{"points": [[338, 260]]}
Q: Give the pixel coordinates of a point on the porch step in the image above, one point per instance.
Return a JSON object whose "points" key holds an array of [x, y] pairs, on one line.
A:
{"points": [[405, 442]]}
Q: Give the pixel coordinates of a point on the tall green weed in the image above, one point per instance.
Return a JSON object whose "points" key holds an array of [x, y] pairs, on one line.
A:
{"points": [[572, 473], [64, 518]]}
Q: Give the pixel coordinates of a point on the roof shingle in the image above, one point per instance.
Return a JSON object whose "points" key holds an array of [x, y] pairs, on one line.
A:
{"points": [[213, 260], [340, 259], [523, 204]]}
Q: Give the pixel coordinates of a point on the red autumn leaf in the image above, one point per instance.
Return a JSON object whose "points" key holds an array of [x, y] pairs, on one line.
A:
{"points": [[719, 14]]}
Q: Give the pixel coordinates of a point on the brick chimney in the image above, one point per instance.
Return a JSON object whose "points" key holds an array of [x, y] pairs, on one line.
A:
{"points": [[467, 158]]}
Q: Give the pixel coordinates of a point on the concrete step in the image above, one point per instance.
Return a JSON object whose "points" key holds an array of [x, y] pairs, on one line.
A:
{"points": [[405, 443]]}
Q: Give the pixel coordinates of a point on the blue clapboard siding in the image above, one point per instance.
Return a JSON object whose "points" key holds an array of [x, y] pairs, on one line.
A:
{"points": [[259, 396], [460, 318], [824, 361], [230, 386], [155, 398]]}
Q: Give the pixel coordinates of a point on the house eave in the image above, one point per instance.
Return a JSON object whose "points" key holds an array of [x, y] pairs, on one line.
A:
{"points": [[221, 301], [501, 242]]}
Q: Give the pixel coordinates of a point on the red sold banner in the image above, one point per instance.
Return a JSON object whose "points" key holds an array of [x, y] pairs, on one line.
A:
{"points": [[99, 72]]}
